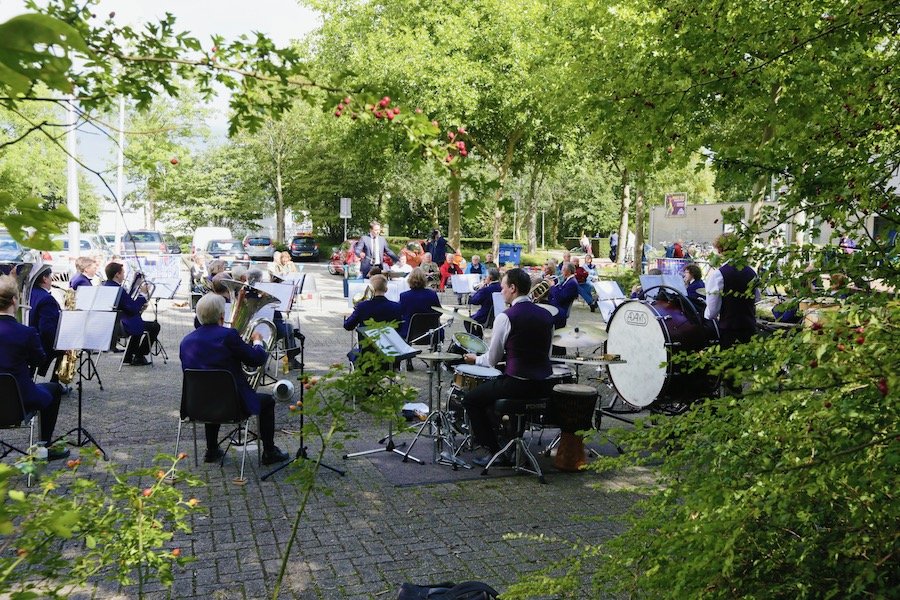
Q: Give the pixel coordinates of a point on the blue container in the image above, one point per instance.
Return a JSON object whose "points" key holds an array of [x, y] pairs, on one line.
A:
{"points": [[509, 253]]}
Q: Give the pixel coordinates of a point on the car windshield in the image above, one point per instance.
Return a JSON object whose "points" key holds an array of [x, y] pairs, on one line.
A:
{"points": [[142, 237], [8, 244], [304, 242], [224, 246]]}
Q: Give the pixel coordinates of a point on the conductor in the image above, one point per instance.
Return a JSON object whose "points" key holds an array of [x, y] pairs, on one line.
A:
{"points": [[371, 249]]}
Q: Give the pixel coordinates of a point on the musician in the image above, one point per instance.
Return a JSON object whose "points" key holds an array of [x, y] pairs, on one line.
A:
{"points": [[563, 294], [44, 316], [133, 324], [731, 296], [522, 336], [215, 346], [585, 289], [20, 352], [693, 281], [283, 328], [417, 299], [484, 299], [371, 249], [87, 270], [379, 308]]}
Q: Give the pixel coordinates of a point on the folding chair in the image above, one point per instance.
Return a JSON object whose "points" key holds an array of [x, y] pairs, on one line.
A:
{"points": [[211, 396], [13, 414], [419, 326]]}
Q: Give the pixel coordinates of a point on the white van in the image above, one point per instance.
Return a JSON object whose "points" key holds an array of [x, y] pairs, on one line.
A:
{"points": [[203, 235]]}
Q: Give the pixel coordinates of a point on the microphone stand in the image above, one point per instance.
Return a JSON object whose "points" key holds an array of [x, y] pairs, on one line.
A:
{"points": [[301, 451]]}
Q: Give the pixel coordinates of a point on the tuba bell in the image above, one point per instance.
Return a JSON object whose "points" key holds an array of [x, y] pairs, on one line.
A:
{"points": [[540, 290], [367, 294], [247, 302]]}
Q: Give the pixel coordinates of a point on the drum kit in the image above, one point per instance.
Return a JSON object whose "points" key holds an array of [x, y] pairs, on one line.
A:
{"points": [[644, 345]]}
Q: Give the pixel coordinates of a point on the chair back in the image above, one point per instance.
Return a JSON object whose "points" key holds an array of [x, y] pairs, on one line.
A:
{"points": [[420, 324], [211, 396], [12, 410]]}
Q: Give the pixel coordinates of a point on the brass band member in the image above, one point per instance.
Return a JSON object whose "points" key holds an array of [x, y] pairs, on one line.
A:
{"points": [[87, 270], [130, 314], [522, 336], [214, 346], [21, 351], [484, 299], [44, 316]]}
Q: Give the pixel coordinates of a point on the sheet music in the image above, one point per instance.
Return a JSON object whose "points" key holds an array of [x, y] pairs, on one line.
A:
{"points": [[395, 288], [464, 284], [673, 281], [166, 288], [388, 341], [608, 290], [97, 297], [85, 330], [283, 291], [499, 303]]}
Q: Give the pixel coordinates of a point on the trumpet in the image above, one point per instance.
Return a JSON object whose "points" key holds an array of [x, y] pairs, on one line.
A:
{"points": [[247, 302]]}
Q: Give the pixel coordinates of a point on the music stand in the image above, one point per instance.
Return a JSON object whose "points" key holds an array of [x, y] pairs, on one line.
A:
{"points": [[84, 331], [164, 289], [387, 341], [94, 298]]}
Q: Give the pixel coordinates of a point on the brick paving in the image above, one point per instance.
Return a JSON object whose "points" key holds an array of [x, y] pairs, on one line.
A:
{"points": [[366, 536]]}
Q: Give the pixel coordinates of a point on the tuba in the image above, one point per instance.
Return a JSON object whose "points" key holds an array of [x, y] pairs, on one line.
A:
{"points": [[68, 363], [247, 302], [540, 290]]}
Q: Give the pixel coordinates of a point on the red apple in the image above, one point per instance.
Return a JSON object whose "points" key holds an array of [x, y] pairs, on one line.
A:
{"points": [[461, 145], [882, 386], [337, 113], [390, 115], [860, 340], [461, 129], [450, 135], [396, 110], [378, 114], [463, 153]]}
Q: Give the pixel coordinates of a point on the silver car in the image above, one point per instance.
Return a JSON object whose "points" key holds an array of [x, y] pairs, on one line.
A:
{"points": [[259, 247], [143, 242]]}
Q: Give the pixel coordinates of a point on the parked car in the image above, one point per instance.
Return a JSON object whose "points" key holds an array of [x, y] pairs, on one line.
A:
{"points": [[90, 245], [11, 251], [227, 250], [259, 247], [143, 242], [304, 247], [203, 235], [172, 245]]}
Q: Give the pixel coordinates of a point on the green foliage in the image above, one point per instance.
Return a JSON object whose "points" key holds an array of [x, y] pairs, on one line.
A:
{"points": [[124, 534]]}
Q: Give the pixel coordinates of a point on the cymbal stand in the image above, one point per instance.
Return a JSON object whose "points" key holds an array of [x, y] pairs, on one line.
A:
{"points": [[301, 451], [84, 436], [432, 334], [440, 430]]}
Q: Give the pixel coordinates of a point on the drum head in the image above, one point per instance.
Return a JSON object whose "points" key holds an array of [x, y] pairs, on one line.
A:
{"points": [[477, 371], [637, 336], [470, 343]]}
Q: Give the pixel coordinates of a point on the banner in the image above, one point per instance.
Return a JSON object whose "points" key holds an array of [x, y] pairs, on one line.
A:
{"points": [[676, 204]]}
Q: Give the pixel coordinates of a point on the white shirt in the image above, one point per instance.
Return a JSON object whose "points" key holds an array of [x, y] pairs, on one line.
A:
{"points": [[375, 255], [715, 283], [497, 349]]}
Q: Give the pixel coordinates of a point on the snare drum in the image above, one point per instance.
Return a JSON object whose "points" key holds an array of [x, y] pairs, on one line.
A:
{"points": [[468, 377]]}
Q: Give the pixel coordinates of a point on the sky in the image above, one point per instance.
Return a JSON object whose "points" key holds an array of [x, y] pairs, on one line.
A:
{"points": [[281, 20]]}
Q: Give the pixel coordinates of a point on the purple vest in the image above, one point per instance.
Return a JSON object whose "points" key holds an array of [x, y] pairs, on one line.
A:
{"points": [[738, 300], [528, 345]]}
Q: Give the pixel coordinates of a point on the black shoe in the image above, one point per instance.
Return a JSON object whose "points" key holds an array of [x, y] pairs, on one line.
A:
{"points": [[296, 364], [275, 455], [594, 307], [409, 365], [139, 361], [214, 455], [55, 454]]}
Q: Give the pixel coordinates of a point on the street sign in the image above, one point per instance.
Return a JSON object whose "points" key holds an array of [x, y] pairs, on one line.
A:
{"points": [[345, 208]]}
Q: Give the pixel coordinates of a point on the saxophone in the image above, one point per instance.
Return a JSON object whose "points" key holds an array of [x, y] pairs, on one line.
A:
{"points": [[65, 368]]}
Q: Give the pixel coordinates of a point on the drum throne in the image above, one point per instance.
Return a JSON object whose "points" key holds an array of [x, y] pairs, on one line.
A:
{"points": [[515, 414]]}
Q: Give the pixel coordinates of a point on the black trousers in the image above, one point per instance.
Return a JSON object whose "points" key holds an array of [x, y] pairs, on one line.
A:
{"points": [[266, 425], [50, 412], [134, 349], [479, 404]]}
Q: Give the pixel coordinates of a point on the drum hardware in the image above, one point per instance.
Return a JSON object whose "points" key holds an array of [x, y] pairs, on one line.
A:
{"points": [[438, 422], [452, 312]]}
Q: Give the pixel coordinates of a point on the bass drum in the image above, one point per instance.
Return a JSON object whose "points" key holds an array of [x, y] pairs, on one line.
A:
{"points": [[648, 335]]}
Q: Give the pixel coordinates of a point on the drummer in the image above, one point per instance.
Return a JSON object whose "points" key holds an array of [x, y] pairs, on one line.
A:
{"points": [[483, 298], [522, 337]]}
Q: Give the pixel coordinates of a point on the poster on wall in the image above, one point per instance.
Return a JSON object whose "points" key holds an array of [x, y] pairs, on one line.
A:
{"points": [[676, 204]]}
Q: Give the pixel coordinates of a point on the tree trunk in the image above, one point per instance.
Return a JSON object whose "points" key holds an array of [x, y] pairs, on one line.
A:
{"points": [[279, 202], [150, 208], [453, 208], [530, 220], [638, 229], [623, 218], [502, 172]]}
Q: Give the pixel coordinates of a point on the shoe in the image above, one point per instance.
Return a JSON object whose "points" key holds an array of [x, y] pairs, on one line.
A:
{"points": [[214, 455], [127, 360], [504, 460], [409, 365], [594, 307], [54, 454], [275, 455], [138, 361]]}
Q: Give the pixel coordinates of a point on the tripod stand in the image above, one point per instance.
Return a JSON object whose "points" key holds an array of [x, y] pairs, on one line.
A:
{"points": [[84, 436], [301, 451]]}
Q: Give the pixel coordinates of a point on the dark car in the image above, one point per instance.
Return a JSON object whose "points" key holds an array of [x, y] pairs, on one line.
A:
{"points": [[259, 247], [304, 247], [172, 245]]}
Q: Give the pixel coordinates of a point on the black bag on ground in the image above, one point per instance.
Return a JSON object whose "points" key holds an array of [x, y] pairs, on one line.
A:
{"points": [[468, 590]]}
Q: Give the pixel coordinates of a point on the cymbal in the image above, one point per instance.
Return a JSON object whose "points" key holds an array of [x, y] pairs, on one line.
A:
{"points": [[583, 329], [577, 339], [549, 308], [452, 312], [439, 356], [590, 362]]}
